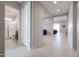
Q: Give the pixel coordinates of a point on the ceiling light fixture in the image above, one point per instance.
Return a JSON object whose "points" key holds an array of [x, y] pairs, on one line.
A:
{"points": [[58, 10], [55, 2]]}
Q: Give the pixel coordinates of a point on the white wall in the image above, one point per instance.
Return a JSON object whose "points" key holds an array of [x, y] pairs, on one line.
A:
{"points": [[37, 18], [70, 26], [47, 21], [25, 24], [40, 20], [48, 25]]}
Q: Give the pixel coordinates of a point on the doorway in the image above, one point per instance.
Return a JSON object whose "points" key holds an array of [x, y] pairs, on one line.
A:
{"points": [[17, 28], [56, 27], [12, 28], [60, 25]]}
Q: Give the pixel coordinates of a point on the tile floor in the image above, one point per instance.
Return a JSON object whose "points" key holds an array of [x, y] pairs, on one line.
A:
{"points": [[52, 46]]}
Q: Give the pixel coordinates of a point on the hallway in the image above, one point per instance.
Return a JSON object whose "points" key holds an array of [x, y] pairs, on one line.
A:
{"points": [[51, 46]]}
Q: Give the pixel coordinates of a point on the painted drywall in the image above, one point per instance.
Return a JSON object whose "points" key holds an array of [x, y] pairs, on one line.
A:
{"points": [[40, 20], [25, 24], [48, 25], [2, 29], [47, 21], [36, 24], [70, 26]]}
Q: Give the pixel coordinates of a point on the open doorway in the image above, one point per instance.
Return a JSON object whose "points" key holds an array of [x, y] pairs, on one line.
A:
{"points": [[12, 28], [60, 31], [17, 28], [56, 27]]}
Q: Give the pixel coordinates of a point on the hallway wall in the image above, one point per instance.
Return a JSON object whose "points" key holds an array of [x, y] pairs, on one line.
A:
{"points": [[37, 17], [72, 26], [47, 21], [38, 23], [25, 24]]}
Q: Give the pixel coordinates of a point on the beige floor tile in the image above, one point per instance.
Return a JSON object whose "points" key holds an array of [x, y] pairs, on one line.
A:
{"points": [[52, 46]]}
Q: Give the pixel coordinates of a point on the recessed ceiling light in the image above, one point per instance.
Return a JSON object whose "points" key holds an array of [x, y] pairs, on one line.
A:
{"points": [[58, 10], [55, 2]]}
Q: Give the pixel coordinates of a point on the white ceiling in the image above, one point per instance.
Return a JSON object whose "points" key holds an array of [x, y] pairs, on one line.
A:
{"points": [[52, 8], [49, 5]]}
